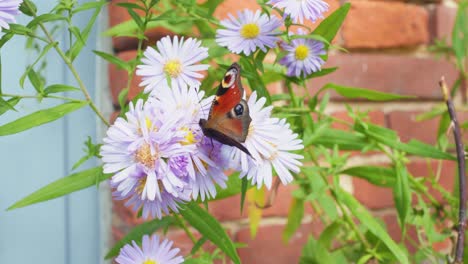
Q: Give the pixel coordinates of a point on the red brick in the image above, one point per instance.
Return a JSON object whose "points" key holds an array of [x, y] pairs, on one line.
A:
{"points": [[126, 214], [119, 15], [268, 246], [372, 196], [118, 78], [405, 124], [387, 73], [229, 208], [114, 116], [444, 19], [385, 25]]}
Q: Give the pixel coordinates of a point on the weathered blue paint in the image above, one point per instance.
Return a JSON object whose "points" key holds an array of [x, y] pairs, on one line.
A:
{"points": [[65, 230]]}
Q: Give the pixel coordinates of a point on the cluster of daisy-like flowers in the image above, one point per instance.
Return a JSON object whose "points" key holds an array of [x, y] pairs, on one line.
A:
{"points": [[158, 153], [253, 30], [8, 10], [152, 251]]}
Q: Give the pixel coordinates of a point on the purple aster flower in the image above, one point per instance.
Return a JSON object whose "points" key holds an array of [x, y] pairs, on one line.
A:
{"points": [[174, 60], [302, 9], [205, 166], [303, 56], [8, 10], [139, 151], [152, 251], [248, 32], [269, 141]]}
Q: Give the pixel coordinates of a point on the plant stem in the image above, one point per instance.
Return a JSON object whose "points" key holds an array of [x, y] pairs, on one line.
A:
{"points": [[461, 174], [73, 71]]}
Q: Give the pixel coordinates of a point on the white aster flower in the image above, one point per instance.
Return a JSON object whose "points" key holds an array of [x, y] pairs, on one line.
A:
{"points": [[269, 141], [152, 251], [8, 10], [248, 32], [173, 60], [302, 9]]}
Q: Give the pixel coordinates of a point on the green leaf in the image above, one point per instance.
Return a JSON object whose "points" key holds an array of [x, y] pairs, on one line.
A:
{"points": [[255, 197], [315, 253], [131, 6], [354, 92], [330, 25], [35, 80], [78, 45], [5, 38], [245, 184], [198, 245], [89, 5], [121, 64], [43, 19], [329, 137], [295, 215], [402, 193], [123, 96], [137, 233], [19, 29], [136, 18], [58, 88], [380, 176], [63, 186], [39, 118], [8, 104], [254, 79], [76, 32], [330, 233], [460, 35], [367, 220], [210, 228], [28, 8]]}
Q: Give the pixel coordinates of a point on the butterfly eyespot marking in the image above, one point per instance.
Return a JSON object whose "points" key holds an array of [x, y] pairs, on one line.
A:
{"points": [[239, 109], [229, 78]]}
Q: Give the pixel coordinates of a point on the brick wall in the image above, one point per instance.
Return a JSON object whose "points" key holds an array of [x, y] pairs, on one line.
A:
{"points": [[388, 43]]}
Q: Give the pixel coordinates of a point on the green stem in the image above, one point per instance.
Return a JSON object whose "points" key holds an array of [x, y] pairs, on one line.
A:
{"points": [[73, 71], [184, 226]]}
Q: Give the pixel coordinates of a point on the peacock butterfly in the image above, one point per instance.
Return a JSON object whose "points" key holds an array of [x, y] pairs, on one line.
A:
{"points": [[228, 121]]}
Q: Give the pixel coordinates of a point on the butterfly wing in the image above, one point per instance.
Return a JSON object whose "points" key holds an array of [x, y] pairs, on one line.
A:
{"points": [[229, 119]]}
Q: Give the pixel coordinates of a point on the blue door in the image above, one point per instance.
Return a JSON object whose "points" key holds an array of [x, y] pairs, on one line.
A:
{"points": [[65, 230]]}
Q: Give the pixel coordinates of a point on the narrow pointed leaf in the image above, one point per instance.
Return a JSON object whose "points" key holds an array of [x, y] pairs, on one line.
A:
{"points": [[330, 25], [210, 228], [63, 186], [58, 88], [355, 92], [295, 215], [39, 118], [367, 220]]}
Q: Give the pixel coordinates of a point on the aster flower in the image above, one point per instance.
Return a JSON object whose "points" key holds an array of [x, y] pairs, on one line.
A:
{"points": [[205, 164], [248, 32], [269, 141], [175, 60], [303, 56], [8, 10], [152, 251], [138, 150], [299, 10]]}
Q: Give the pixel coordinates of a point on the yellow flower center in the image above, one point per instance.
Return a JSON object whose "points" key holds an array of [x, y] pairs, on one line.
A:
{"points": [[173, 68], [143, 155], [141, 185], [189, 138], [250, 31], [302, 51], [149, 261]]}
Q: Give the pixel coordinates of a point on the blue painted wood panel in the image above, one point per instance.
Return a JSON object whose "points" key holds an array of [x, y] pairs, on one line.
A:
{"points": [[65, 230]]}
